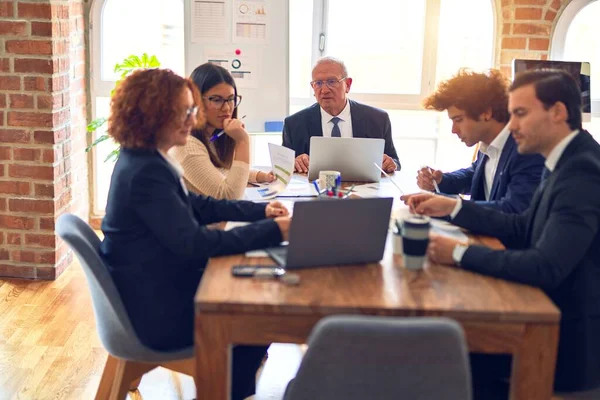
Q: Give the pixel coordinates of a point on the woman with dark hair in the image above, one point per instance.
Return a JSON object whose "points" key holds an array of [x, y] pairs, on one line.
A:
{"points": [[220, 167], [156, 243]]}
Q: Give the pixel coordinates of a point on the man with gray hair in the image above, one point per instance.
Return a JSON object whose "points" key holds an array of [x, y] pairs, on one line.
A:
{"points": [[334, 115]]}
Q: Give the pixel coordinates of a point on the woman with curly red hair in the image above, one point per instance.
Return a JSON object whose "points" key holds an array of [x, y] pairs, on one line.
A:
{"points": [[156, 243]]}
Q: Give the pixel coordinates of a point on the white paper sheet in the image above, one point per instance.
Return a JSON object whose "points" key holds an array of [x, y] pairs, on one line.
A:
{"points": [[208, 21], [250, 21], [282, 165]]}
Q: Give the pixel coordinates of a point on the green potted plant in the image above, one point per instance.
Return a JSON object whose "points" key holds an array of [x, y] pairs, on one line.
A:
{"points": [[125, 68]]}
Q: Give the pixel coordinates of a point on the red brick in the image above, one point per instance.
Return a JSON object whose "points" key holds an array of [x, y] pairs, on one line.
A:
{"points": [[10, 82], [12, 28], [530, 2], [47, 224], [13, 238], [60, 118], [531, 29], [60, 11], [1, 237], [1, 174], [506, 29], [34, 65], [514, 43], [41, 47], [18, 271], [26, 154], [6, 9], [544, 56], [15, 187], [539, 44], [22, 256], [550, 15], [556, 5], [34, 10], [31, 206], [14, 136], [21, 101], [42, 190], [12, 222], [35, 83], [40, 240], [48, 156], [61, 48], [528, 13], [4, 65], [4, 254], [60, 82], [5, 153], [39, 172], [2, 202], [34, 119], [2, 100]]}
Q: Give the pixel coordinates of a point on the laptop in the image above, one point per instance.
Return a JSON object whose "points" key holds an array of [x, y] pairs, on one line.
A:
{"points": [[352, 157], [335, 232]]}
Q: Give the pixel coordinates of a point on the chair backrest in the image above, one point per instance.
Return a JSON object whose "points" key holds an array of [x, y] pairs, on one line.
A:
{"points": [[365, 357], [114, 328]]}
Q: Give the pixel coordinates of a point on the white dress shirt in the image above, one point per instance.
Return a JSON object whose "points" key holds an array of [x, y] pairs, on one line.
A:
{"points": [[550, 163], [493, 151], [174, 164], [345, 124]]}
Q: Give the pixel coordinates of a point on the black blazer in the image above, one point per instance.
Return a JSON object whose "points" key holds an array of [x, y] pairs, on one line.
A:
{"points": [[156, 244], [554, 245], [516, 179], [367, 122]]}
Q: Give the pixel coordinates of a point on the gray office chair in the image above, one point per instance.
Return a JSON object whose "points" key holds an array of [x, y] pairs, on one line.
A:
{"points": [[380, 358], [128, 359]]}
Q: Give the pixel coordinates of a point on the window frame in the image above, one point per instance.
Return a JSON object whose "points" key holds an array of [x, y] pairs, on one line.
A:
{"points": [[559, 38], [430, 49]]}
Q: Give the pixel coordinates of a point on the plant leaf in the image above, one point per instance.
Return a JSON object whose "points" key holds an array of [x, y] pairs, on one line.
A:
{"points": [[100, 139], [95, 124], [113, 155]]}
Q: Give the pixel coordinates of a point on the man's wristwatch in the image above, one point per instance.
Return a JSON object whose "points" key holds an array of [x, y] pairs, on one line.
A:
{"points": [[458, 252]]}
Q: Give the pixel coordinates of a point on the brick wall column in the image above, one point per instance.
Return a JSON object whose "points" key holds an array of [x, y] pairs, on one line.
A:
{"points": [[525, 29], [43, 166]]}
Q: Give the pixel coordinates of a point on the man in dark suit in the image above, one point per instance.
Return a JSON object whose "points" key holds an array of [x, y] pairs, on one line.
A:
{"points": [[500, 178], [334, 115], [555, 244]]}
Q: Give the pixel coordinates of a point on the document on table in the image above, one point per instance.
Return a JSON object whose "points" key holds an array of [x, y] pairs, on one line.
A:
{"points": [[445, 228], [282, 165]]}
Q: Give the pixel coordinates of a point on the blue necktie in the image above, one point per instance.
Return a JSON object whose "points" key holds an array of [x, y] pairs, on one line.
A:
{"points": [[545, 174], [335, 132]]}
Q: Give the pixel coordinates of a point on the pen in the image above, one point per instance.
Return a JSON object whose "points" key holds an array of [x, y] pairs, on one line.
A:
{"points": [[387, 176], [217, 135], [317, 187], [435, 185]]}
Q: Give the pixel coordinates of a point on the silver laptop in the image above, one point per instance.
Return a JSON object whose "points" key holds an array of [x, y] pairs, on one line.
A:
{"points": [[352, 157], [335, 232]]}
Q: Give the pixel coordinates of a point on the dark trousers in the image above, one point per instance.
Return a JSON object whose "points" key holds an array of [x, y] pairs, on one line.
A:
{"points": [[490, 374], [246, 361]]}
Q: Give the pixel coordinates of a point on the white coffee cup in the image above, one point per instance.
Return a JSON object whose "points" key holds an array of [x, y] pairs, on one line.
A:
{"points": [[328, 179]]}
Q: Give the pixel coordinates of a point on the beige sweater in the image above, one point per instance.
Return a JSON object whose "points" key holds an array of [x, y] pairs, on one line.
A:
{"points": [[202, 177]]}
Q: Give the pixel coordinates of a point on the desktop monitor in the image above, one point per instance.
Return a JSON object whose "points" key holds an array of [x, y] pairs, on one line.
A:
{"points": [[579, 70]]}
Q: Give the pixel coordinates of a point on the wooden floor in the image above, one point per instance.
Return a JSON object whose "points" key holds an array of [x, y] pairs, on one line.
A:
{"points": [[49, 348]]}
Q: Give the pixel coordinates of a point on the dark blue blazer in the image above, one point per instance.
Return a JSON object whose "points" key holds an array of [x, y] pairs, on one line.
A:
{"points": [[517, 176], [156, 244], [554, 245], [367, 122]]}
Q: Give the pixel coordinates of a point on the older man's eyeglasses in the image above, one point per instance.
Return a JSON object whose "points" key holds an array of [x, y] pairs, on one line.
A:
{"points": [[217, 102], [331, 83], [190, 112]]}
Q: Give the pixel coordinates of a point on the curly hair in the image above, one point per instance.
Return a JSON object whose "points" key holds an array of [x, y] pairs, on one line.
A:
{"points": [[474, 93], [144, 103]]}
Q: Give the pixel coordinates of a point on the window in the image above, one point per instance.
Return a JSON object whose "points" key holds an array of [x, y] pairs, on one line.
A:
{"points": [[114, 36], [396, 51], [577, 38]]}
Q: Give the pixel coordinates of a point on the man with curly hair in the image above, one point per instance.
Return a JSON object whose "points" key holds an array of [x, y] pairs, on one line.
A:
{"points": [[500, 178]]}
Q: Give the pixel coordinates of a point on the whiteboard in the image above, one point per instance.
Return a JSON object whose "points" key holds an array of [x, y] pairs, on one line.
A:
{"points": [[232, 32]]}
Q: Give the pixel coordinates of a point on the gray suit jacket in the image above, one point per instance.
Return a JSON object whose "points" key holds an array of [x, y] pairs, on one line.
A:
{"points": [[367, 122]]}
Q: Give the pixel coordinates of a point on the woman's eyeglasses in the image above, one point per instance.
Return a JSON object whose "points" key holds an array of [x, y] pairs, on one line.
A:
{"points": [[190, 112], [217, 102]]}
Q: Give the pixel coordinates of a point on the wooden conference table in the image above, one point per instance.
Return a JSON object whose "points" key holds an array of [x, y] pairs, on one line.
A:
{"points": [[497, 316]]}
